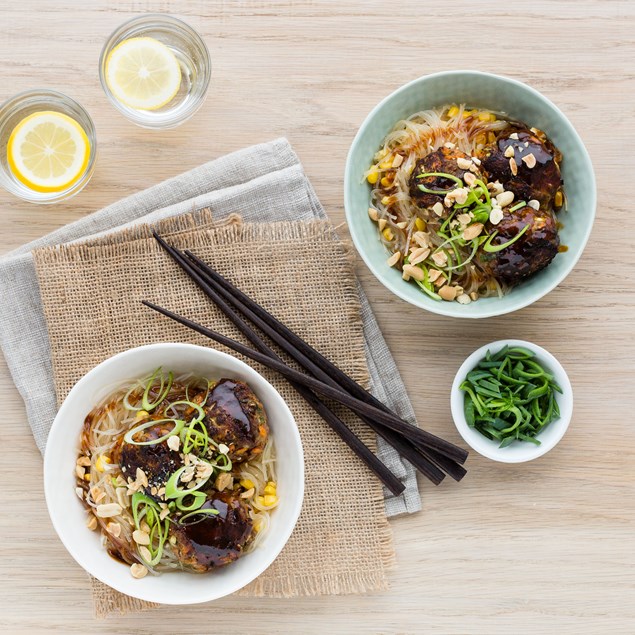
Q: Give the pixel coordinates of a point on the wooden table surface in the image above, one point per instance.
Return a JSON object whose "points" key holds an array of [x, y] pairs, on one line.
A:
{"points": [[537, 548]]}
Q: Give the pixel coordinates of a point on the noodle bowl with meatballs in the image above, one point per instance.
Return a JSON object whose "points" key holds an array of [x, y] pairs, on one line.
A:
{"points": [[178, 472], [465, 201]]}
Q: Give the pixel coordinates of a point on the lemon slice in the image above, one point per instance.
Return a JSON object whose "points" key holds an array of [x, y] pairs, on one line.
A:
{"points": [[48, 151], [143, 73]]}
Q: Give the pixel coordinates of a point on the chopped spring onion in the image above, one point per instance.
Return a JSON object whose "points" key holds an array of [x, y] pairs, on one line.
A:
{"points": [[518, 206], [129, 436], [444, 175], [489, 248], [191, 404], [164, 389], [193, 439], [198, 498], [172, 489], [199, 512], [149, 508], [510, 397]]}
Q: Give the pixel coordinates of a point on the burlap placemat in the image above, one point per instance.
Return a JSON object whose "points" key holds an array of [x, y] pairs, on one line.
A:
{"points": [[91, 295]]}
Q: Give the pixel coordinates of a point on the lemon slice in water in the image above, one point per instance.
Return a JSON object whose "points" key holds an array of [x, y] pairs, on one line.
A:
{"points": [[143, 73], [48, 151]]}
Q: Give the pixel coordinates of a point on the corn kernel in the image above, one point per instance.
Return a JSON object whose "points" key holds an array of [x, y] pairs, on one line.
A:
{"points": [[386, 182], [247, 484], [260, 500], [481, 138], [557, 201], [270, 500], [87, 476], [467, 113], [420, 224], [385, 200], [101, 460], [270, 490], [388, 235], [453, 112], [491, 137], [372, 177], [142, 414], [272, 483], [385, 165], [381, 153], [487, 116], [257, 526]]}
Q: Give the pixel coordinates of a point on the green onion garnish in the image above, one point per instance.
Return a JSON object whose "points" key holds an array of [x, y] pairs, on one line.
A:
{"points": [[510, 397], [164, 389], [444, 175], [488, 247], [178, 425], [199, 512]]}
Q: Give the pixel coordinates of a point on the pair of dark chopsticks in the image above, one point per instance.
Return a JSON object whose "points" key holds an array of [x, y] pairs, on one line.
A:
{"points": [[428, 453]]}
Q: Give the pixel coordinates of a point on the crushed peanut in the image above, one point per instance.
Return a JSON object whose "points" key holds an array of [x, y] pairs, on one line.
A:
{"points": [[463, 298], [174, 442], [223, 481], [248, 493], [91, 522], [141, 537], [421, 239], [514, 135], [509, 152], [419, 255], [138, 571], [80, 493], [372, 213], [464, 164], [448, 293], [433, 274], [141, 477], [84, 461], [437, 208], [402, 224], [496, 215], [382, 224], [505, 198], [469, 178], [473, 231], [534, 204], [440, 257], [397, 161], [414, 272], [80, 471], [513, 166], [108, 510], [529, 160], [114, 529], [394, 259]]}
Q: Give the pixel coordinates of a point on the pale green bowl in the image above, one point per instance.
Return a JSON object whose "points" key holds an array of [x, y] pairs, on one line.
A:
{"points": [[482, 90]]}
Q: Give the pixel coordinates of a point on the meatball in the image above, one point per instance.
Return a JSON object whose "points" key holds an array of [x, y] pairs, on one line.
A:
{"points": [[533, 251], [441, 160], [540, 182], [157, 461], [214, 541], [236, 417]]}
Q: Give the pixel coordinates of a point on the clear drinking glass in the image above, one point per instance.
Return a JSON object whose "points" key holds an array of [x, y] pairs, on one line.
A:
{"points": [[192, 56], [13, 111]]}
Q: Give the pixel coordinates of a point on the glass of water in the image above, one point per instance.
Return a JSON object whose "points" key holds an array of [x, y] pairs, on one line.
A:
{"points": [[159, 52], [48, 146]]}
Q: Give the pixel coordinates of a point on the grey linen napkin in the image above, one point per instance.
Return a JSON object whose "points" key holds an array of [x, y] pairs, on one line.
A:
{"points": [[263, 183]]}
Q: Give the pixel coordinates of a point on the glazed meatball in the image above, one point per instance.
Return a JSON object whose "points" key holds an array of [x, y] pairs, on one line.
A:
{"points": [[540, 182], [441, 160], [235, 416], [533, 251], [157, 461], [214, 541]]}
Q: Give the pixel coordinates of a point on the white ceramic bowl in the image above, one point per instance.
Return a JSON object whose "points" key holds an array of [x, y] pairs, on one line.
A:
{"points": [[517, 452], [69, 517]]}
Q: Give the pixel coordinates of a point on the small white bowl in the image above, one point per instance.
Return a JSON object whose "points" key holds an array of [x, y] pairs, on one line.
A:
{"points": [[69, 517], [517, 452]]}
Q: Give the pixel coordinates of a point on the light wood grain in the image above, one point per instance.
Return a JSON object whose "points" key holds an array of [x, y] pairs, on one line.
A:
{"points": [[539, 548]]}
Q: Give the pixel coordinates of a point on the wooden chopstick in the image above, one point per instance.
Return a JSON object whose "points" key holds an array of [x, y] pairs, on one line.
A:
{"points": [[310, 382], [421, 462], [322, 368], [348, 436]]}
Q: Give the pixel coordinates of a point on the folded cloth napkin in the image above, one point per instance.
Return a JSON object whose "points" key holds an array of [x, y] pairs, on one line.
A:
{"points": [[263, 183]]}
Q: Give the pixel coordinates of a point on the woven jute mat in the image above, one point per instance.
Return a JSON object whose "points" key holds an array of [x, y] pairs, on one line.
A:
{"points": [[92, 300]]}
